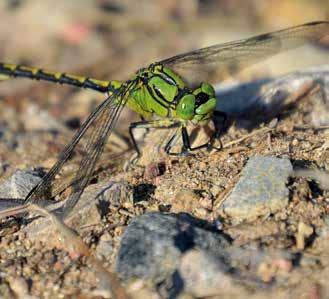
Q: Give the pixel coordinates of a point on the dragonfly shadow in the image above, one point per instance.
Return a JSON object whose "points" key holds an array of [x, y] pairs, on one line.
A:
{"points": [[305, 169], [253, 103], [143, 192]]}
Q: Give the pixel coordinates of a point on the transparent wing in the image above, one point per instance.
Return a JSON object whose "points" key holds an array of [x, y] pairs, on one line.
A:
{"points": [[93, 135], [229, 58]]}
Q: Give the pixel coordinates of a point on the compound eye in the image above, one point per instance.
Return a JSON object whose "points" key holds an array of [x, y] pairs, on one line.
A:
{"points": [[208, 89], [185, 107], [207, 107]]}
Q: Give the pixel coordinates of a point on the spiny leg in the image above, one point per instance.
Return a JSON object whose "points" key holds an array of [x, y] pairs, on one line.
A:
{"points": [[218, 132], [167, 124], [158, 124], [186, 143], [172, 123], [216, 135]]}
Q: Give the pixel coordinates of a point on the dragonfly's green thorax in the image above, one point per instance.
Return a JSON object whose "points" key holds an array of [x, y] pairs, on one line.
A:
{"points": [[162, 92]]}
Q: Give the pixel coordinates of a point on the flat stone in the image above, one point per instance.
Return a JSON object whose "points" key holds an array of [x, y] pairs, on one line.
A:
{"points": [[261, 189]]}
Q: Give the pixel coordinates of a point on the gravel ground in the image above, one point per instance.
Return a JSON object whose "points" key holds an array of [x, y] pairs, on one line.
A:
{"points": [[248, 220]]}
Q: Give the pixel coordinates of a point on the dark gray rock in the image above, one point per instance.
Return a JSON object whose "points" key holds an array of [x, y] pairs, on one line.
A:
{"points": [[261, 189], [153, 244]]}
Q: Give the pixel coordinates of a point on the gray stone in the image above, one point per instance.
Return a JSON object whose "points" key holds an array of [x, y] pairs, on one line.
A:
{"points": [[153, 244], [261, 189], [19, 184]]}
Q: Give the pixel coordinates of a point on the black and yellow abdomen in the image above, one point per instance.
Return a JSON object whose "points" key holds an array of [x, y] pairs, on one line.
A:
{"points": [[14, 70]]}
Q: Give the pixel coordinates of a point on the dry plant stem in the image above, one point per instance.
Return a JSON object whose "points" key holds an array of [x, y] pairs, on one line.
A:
{"points": [[14, 211], [28, 208], [72, 243], [261, 130], [222, 196]]}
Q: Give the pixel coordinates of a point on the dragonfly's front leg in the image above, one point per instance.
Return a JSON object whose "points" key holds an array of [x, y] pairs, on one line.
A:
{"points": [[175, 123], [166, 124], [152, 124], [219, 128]]}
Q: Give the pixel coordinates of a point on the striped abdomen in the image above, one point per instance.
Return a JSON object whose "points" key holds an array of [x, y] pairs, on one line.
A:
{"points": [[13, 70]]}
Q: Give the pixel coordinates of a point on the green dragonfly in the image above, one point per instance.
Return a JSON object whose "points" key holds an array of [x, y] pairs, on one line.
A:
{"points": [[160, 94]]}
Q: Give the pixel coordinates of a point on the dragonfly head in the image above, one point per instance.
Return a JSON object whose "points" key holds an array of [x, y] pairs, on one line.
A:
{"points": [[165, 85], [197, 105]]}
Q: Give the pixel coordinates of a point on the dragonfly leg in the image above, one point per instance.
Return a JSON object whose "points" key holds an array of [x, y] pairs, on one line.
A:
{"points": [[172, 123], [186, 144], [172, 140], [158, 124], [218, 131]]}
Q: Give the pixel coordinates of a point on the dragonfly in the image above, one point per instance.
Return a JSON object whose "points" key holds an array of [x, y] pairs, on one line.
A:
{"points": [[161, 95]]}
